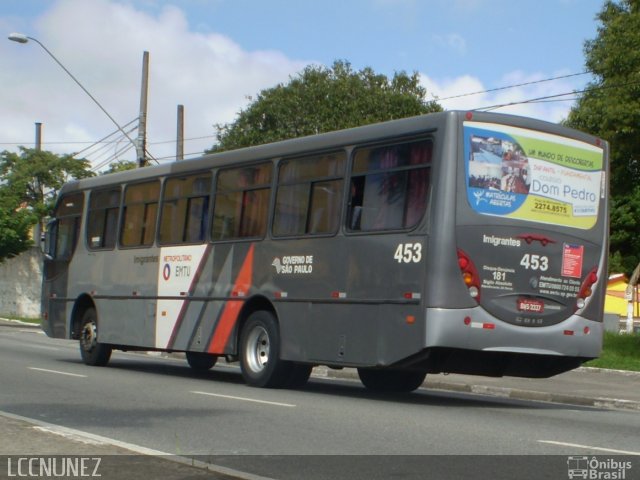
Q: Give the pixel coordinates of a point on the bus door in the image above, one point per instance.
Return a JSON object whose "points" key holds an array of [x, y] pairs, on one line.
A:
{"points": [[61, 239]]}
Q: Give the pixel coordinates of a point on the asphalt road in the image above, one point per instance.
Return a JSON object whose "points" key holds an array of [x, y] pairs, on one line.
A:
{"points": [[332, 426]]}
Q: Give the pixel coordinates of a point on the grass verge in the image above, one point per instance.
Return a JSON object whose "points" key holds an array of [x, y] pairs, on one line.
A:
{"points": [[35, 321], [620, 352]]}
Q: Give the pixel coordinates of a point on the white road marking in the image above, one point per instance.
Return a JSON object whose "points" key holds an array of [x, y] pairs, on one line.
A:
{"points": [[56, 371], [99, 439], [277, 404], [600, 449]]}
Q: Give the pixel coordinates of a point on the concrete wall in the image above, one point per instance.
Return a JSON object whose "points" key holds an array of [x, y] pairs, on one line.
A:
{"points": [[21, 284]]}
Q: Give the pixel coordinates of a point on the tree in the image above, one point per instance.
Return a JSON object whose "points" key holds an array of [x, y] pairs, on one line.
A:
{"points": [[322, 99], [34, 177], [15, 229], [610, 109], [29, 183], [121, 166]]}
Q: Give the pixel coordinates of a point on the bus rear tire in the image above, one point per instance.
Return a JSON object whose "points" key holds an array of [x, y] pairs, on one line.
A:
{"points": [[399, 381], [92, 352], [201, 361], [260, 361]]}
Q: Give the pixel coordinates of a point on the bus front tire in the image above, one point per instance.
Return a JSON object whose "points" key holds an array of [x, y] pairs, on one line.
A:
{"points": [[92, 352], [201, 361], [260, 361], [399, 381]]}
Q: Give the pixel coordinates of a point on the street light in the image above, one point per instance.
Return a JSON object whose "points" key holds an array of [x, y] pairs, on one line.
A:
{"points": [[21, 38]]}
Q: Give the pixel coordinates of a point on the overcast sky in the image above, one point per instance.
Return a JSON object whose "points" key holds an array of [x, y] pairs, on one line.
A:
{"points": [[212, 55]]}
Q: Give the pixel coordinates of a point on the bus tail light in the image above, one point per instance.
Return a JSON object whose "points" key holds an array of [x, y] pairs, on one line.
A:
{"points": [[586, 289], [469, 275]]}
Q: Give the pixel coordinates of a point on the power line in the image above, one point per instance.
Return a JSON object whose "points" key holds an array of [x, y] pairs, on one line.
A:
{"points": [[506, 87], [102, 140], [186, 140], [556, 97], [112, 158], [105, 141]]}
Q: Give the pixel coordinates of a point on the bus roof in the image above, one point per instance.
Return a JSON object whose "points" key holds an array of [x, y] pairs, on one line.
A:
{"points": [[405, 127]]}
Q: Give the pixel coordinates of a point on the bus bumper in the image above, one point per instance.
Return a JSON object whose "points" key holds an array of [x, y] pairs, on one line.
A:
{"points": [[473, 342]]}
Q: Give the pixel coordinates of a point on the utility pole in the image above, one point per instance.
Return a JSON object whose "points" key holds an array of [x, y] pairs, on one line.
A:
{"points": [[38, 136], [38, 228], [141, 145], [180, 134]]}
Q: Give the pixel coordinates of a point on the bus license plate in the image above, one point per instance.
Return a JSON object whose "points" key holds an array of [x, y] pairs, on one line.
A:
{"points": [[530, 305]]}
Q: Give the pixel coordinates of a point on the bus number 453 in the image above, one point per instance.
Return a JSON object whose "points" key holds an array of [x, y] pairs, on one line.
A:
{"points": [[408, 253], [535, 262]]}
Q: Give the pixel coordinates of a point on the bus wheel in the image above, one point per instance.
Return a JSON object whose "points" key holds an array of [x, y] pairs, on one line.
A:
{"points": [[260, 352], [201, 361], [391, 380], [92, 353]]}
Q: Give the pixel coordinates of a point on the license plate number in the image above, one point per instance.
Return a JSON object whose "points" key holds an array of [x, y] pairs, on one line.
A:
{"points": [[530, 305]]}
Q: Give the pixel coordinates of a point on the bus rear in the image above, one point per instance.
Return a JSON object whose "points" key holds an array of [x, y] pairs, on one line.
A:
{"points": [[530, 233]]}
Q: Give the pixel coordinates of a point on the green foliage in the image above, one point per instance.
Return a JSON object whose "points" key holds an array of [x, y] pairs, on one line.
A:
{"points": [[610, 109], [624, 242], [322, 99], [35, 176], [15, 229], [29, 183], [120, 166]]}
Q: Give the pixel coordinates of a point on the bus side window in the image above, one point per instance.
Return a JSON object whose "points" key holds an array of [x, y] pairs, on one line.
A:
{"points": [[139, 214], [102, 219], [242, 202], [309, 195], [389, 186], [185, 209]]}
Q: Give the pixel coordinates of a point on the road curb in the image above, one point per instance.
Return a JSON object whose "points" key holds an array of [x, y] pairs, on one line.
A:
{"points": [[538, 396], [510, 393]]}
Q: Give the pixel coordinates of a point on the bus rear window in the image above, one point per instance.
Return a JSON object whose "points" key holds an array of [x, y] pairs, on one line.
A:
{"points": [[533, 176]]}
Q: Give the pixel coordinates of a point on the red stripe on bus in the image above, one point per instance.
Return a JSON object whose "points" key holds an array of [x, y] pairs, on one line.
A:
{"points": [[185, 303], [232, 309]]}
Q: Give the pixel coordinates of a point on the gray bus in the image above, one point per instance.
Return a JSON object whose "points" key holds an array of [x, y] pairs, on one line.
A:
{"points": [[461, 242]]}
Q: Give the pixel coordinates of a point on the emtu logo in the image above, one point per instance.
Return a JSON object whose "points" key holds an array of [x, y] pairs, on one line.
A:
{"points": [[166, 271]]}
